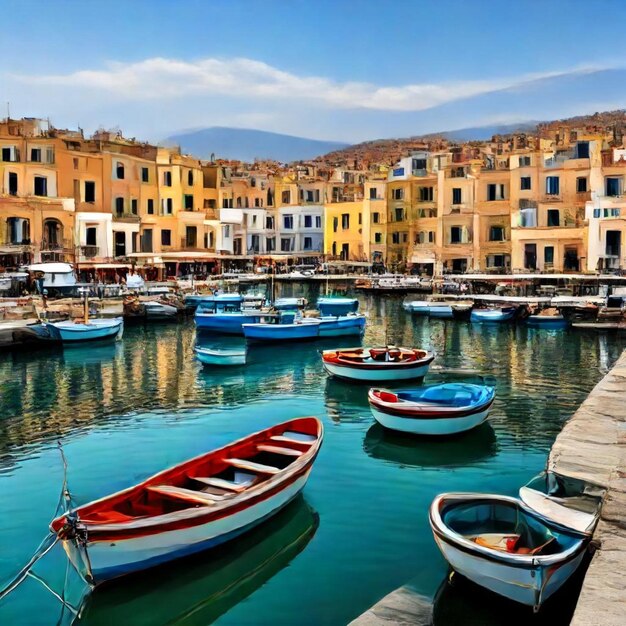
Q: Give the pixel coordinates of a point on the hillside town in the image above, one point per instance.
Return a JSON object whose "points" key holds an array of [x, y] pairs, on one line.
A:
{"points": [[550, 201]]}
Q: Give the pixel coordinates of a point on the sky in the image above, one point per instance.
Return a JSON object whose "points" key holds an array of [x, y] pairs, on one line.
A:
{"points": [[325, 69]]}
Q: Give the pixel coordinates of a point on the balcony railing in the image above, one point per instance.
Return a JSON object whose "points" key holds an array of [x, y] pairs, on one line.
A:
{"points": [[59, 244], [89, 252]]}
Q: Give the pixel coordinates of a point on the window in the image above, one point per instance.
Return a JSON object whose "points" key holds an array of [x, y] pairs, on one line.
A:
{"points": [[119, 170], [41, 186], [581, 184], [133, 206], [166, 237], [456, 195], [345, 221], [496, 233], [254, 217], [191, 237], [582, 150], [399, 215], [378, 237], [90, 191], [405, 237], [145, 175], [373, 193], [397, 194], [548, 255], [613, 186], [426, 194], [495, 260], [553, 217], [167, 206], [552, 185], [75, 162], [431, 236], [35, 155], [335, 224], [286, 199], [146, 240], [308, 221], [525, 184], [7, 154], [528, 217], [226, 231], [360, 218], [318, 221], [456, 234], [376, 218], [419, 164], [19, 230], [190, 178], [12, 184], [287, 222], [150, 207], [269, 222], [188, 202], [270, 244], [119, 205], [597, 212], [308, 243], [395, 237], [285, 244], [524, 161], [91, 236], [167, 179], [495, 192]]}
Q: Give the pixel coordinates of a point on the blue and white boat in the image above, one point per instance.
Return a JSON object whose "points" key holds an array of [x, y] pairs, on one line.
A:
{"points": [[501, 314], [336, 306], [74, 332], [289, 304], [223, 313], [419, 307], [340, 326], [441, 409], [547, 321], [210, 356], [283, 328], [439, 310], [524, 549]]}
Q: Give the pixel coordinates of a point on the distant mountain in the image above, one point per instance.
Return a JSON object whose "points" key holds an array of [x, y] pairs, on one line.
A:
{"points": [[483, 133], [246, 144]]}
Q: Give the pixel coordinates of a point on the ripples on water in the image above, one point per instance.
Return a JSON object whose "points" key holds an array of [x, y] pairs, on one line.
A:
{"points": [[127, 410]]}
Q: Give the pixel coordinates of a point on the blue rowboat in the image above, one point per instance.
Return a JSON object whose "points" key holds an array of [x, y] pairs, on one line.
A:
{"points": [[337, 306], [73, 332], [226, 323], [503, 314], [419, 307], [340, 326], [442, 311], [209, 356], [547, 321], [281, 331], [443, 409]]}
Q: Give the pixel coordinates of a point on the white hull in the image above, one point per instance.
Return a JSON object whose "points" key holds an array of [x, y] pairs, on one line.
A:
{"points": [[430, 426], [216, 358], [376, 375], [158, 311], [523, 585], [112, 559]]}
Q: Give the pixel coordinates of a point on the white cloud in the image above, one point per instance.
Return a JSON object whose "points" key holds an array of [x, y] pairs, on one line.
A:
{"points": [[160, 78]]}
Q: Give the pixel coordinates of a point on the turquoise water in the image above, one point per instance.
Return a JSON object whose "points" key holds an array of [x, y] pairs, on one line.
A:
{"points": [[124, 411]]}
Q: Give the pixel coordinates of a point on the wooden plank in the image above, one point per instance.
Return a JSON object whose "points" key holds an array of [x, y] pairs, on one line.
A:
{"points": [[284, 439], [253, 467], [279, 450], [183, 494], [222, 484]]}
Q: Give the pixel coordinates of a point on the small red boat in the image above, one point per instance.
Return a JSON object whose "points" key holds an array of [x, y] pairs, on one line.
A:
{"points": [[192, 506], [377, 364]]}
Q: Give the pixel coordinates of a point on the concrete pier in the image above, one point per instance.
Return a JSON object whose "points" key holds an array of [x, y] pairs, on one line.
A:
{"points": [[592, 447]]}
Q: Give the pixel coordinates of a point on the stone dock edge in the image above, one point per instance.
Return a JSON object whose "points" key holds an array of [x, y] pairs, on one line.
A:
{"points": [[592, 447]]}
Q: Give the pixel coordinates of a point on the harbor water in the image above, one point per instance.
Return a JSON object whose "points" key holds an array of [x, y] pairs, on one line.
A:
{"points": [[128, 409]]}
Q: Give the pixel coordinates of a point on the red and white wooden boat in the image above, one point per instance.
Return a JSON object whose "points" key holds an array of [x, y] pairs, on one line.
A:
{"points": [[377, 364], [192, 506]]}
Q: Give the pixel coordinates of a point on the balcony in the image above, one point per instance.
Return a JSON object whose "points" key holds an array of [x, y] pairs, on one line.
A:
{"points": [[89, 252], [551, 197], [420, 172], [126, 217], [56, 246]]}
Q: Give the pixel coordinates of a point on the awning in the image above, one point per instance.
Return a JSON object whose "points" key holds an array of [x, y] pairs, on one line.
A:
{"points": [[109, 266]]}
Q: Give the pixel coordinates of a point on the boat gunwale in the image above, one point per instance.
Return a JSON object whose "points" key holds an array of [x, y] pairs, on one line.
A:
{"points": [[377, 365]]}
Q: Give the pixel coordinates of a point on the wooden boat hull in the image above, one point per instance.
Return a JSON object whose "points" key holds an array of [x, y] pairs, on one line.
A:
{"points": [[217, 357], [281, 332], [225, 323], [419, 418], [109, 560], [527, 579], [69, 332], [376, 373]]}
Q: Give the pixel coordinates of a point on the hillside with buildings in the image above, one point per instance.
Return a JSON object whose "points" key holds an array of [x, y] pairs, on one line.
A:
{"points": [[546, 201]]}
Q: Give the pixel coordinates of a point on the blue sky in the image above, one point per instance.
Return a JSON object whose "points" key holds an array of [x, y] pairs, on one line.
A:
{"points": [[344, 70]]}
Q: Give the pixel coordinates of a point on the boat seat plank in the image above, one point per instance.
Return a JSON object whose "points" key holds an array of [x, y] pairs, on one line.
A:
{"points": [[303, 437], [252, 466], [183, 494], [279, 450], [220, 483]]}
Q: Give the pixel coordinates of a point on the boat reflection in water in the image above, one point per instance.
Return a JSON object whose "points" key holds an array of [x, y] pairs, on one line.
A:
{"points": [[197, 590], [461, 601], [461, 450]]}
